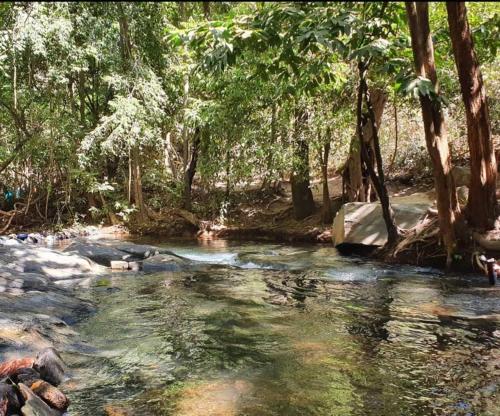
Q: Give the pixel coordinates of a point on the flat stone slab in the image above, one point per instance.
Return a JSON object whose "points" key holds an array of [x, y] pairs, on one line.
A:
{"points": [[362, 222], [54, 264]]}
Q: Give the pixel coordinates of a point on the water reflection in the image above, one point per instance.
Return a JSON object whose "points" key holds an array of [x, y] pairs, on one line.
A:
{"points": [[278, 330]]}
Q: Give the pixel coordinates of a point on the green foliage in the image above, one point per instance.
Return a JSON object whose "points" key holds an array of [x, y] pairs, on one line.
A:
{"points": [[236, 75]]}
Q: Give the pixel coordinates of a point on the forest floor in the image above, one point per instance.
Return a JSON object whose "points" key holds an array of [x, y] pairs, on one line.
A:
{"points": [[265, 216]]}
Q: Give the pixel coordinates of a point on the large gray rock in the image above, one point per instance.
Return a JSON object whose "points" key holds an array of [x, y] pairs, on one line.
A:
{"points": [[164, 263], [101, 254], [362, 223], [54, 264], [11, 281]]}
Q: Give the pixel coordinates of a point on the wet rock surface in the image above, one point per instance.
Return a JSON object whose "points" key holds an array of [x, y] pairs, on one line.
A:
{"points": [[98, 253], [39, 305]]}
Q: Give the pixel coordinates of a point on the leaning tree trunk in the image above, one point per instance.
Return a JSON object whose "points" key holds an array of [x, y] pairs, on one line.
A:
{"points": [[302, 198], [482, 203], [376, 177], [434, 125], [356, 188]]}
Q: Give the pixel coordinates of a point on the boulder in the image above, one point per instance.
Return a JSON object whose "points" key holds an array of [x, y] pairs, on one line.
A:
{"points": [[50, 394], [101, 254], [34, 406], [50, 366], [362, 223], [163, 263]]}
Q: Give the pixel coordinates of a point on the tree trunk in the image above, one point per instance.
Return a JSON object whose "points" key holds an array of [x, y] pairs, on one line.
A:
{"points": [[356, 184], [434, 126], [302, 198], [81, 96], [111, 215], [206, 9], [482, 203], [125, 43], [396, 134], [377, 177], [191, 170], [326, 214], [137, 176]]}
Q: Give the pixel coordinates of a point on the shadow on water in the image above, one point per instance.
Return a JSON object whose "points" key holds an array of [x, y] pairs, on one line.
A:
{"points": [[280, 330]]}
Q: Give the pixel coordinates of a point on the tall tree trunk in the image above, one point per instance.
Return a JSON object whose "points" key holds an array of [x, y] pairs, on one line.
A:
{"points": [[137, 176], [81, 96], [326, 213], [482, 203], [206, 9], [302, 198], [191, 169], [377, 177], [434, 126]]}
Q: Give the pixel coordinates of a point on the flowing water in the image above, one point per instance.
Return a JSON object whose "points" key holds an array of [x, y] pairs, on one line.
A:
{"points": [[256, 329]]}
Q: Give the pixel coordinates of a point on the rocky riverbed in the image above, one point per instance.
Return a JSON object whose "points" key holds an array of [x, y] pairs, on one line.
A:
{"points": [[39, 304]]}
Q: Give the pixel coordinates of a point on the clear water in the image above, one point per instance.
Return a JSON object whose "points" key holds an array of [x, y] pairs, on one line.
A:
{"points": [[260, 330]]}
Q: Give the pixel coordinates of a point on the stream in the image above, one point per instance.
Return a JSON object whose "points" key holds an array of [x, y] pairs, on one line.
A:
{"points": [[267, 329]]}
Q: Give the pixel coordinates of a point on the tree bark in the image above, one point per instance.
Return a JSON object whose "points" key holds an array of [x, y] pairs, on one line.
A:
{"points": [[481, 207], [302, 198], [434, 126], [191, 169]]}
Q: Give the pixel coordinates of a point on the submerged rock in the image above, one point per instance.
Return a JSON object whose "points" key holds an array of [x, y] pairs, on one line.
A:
{"points": [[112, 410], [164, 263]]}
